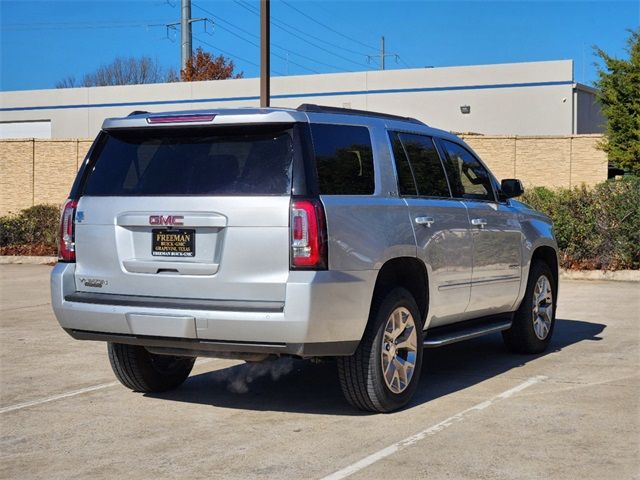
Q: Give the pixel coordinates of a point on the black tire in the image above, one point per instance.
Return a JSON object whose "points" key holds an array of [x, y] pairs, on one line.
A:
{"points": [[361, 375], [521, 337], [142, 371]]}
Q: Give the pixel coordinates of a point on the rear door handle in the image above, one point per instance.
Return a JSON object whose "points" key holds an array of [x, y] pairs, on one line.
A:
{"points": [[428, 221], [479, 222]]}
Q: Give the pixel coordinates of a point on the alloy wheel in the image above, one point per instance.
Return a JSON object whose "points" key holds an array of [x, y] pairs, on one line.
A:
{"points": [[399, 350], [542, 307]]}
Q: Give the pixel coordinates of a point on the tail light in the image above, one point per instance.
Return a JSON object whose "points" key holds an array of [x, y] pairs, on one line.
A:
{"points": [[67, 246], [308, 235]]}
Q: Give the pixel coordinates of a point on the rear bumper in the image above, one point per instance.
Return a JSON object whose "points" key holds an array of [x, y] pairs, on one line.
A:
{"points": [[197, 347], [324, 314]]}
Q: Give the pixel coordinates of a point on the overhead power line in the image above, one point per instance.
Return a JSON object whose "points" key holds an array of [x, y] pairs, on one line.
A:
{"points": [[72, 25], [274, 53], [287, 50], [401, 60], [231, 55], [327, 26], [288, 29]]}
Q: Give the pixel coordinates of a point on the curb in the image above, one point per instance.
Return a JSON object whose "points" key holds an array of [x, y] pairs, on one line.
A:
{"points": [[29, 260], [616, 276]]}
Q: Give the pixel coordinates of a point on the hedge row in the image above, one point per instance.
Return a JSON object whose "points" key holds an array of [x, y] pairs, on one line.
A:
{"points": [[34, 231], [596, 228]]}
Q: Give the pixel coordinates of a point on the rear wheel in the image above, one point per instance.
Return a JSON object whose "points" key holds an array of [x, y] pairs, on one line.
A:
{"points": [[383, 374], [534, 321], [142, 371]]}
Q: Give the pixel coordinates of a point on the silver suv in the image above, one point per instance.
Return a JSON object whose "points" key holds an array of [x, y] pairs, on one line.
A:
{"points": [[315, 232]]}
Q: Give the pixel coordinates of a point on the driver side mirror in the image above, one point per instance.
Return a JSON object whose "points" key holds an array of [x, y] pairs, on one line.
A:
{"points": [[511, 187]]}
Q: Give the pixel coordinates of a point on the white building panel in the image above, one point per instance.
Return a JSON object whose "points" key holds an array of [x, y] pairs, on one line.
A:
{"points": [[534, 98], [28, 129]]}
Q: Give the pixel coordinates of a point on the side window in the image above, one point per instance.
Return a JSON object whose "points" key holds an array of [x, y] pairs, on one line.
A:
{"points": [[344, 159], [467, 176], [406, 182], [425, 163]]}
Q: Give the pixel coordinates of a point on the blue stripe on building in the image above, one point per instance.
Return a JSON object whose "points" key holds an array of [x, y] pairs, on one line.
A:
{"points": [[292, 95]]}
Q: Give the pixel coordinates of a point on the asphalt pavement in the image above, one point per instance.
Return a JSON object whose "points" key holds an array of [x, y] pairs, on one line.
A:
{"points": [[479, 413]]}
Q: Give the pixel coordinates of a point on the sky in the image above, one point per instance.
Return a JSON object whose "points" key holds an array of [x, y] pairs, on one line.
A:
{"points": [[43, 42]]}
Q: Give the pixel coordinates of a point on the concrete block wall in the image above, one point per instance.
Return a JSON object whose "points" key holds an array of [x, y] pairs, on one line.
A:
{"points": [[42, 171], [16, 175], [38, 171], [549, 161]]}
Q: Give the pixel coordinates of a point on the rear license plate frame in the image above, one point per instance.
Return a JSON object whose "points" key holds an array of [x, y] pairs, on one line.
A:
{"points": [[174, 246]]}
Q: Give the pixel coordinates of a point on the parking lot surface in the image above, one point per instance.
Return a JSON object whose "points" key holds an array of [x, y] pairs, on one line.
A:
{"points": [[480, 412]]}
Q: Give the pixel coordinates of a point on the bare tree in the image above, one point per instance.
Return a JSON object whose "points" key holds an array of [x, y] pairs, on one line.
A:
{"points": [[67, 82], [123, 71]]}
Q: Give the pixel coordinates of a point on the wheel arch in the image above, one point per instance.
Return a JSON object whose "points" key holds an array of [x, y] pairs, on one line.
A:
{"points": [[405, 272]]}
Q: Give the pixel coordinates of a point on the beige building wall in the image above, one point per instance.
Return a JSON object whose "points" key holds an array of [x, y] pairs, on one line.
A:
{"points": [[42, 171], [16, 175], [545, 161], [530, 98], [38, 171]]}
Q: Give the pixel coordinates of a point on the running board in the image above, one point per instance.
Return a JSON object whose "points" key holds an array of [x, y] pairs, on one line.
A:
{"points": [[440, 339]]}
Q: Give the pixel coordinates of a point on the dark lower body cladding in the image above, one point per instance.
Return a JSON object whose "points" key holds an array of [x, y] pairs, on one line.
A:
{"points": [[220, 348]]}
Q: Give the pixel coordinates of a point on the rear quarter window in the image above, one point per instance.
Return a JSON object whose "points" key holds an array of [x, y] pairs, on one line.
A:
{"points": [[344, 159]]}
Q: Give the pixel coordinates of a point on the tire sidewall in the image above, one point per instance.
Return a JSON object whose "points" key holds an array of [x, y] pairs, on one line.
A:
{"points": [[398, 297], [524, 316]]}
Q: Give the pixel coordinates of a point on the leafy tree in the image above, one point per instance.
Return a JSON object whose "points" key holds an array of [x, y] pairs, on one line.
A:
{"points": [[619, 95], [123, 71], [204, 66]]}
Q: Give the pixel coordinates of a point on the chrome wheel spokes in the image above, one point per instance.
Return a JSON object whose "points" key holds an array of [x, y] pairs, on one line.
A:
{"points": [[399, 350], [542, 307]]}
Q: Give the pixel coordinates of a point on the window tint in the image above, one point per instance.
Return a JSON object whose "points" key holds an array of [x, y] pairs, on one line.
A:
{"points": [[344, 159], [192, 161], [467, 176], [426, 166], [406, 182]]}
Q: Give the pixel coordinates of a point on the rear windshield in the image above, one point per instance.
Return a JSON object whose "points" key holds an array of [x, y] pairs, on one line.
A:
{"points": [[254, 160]]}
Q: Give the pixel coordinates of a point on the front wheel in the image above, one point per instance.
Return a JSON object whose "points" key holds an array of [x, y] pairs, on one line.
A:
{"points": [[534, 321], [142, 371], [383, 374]]}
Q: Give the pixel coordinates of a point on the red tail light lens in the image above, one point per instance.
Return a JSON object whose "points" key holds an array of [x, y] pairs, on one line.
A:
{"points": [[67, 245], [308, 235]]}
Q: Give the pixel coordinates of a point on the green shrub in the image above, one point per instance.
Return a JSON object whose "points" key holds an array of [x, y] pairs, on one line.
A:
{"points": [[595, 228], [37, 225]]}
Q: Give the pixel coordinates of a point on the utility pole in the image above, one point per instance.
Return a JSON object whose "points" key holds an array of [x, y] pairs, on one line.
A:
{"points": [[383, 55], [185, 33], [185, 23], [265, 50]]}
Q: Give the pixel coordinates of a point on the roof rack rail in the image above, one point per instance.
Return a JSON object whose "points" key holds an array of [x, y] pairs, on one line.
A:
{"points": [[310, 107]]}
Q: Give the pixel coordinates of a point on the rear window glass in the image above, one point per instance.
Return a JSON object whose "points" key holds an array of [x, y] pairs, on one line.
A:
{"points": [[190, 161], [344, 159]]}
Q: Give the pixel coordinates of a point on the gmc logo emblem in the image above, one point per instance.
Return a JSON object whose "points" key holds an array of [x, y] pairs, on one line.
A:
{"points": [[166, 220]]}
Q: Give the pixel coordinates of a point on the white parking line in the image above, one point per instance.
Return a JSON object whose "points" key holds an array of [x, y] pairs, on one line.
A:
{"points": [[53, 398], [402, 444], [73, 393]]}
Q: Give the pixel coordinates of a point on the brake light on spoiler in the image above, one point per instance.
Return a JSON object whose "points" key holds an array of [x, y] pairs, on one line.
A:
{"points": [[181, 118]]}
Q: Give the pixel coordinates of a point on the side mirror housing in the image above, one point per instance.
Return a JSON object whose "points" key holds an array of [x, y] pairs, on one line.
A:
{"points": [[511, 187]]}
